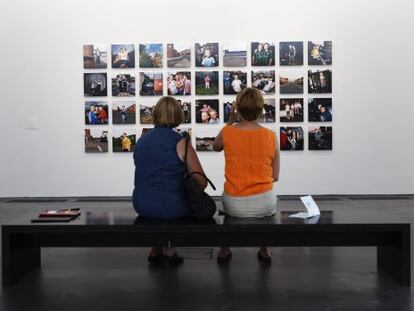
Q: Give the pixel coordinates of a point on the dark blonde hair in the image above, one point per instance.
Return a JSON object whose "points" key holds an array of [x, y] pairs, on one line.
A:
{"points": [[249, 103], [167, 112]]}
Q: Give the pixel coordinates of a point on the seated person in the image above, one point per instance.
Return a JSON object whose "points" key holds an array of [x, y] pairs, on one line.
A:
{"points": [[159, 191], [251, 164]]}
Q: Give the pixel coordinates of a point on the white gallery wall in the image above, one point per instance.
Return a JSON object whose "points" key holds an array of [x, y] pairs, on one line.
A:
{"points": [[41, 76]]}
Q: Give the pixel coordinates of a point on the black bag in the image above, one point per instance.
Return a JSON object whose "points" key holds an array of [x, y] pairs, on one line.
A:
{"points": [[201, 204]]}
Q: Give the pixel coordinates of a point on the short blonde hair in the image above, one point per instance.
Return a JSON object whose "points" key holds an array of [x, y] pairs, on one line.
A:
{"points": [[167, 112], [249, 103]]}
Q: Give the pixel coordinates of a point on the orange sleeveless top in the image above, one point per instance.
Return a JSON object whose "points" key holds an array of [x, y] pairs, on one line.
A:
{"points": [[249, 155]]}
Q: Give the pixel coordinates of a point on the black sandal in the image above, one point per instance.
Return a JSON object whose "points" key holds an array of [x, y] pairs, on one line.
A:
{"points": [[173, 260], [224, 259], [262, 259]]}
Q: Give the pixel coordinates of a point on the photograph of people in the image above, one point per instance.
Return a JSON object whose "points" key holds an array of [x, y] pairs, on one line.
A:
{"points": [[96, 112], [234, 81], [320, 138], [319, 82], [234, 54], [227, 108], [185, 132], [264, 81], [179, 83], [94, 84], [268, 112], [291, 109], [160, 179], [186, 108], [291, 53], [291, 82], [151, 83], [263, 53], [251, 165], [178, 55], [320, 109], [123, 140], [320, 53], [123, 112], [207, 54], [146, 110], [123, 56], [291, 138], [95, 56], [123, 85], [206, 83], [205, 139], [96, 140], [150, 55], [207, 111]]}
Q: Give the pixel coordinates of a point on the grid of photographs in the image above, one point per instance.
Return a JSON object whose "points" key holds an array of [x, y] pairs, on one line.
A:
{"points": [[205, 78]]}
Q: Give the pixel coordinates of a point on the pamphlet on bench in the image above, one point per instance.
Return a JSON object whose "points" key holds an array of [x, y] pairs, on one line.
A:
{"points": [[311, 207]]}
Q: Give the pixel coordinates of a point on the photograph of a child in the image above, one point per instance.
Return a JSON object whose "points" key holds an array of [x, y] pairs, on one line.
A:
{"points": [[291, 82], [206, 83], [319, 82], [291, 109], [264, 81], [234, 81], [95, 56], [123, 85], [150, 55], [291, 53], [123, 56], [96, 112], [291, 138], [123, 112], [320, 109], [179, 83], [269, 111], [320, 53], [96, 140], [186, 108], [207, 111], [151, 84], [178, 55], [234, 54], [145, 112], [320, 138], [123, 140], [207, 54], [263, 53], [95, 84], [205, 139]]}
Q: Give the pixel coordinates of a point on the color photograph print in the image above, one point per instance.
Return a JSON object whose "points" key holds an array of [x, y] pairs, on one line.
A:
{"points": [[185, 132], [95, 84], [234, 81], [320, 138], [207, 54], [178, 55], [320, 109], [179, 83], [205, 139], [264, 81], [207, 83], [123, 85], [268, 112], [291, 109], [150, 55], [123, 56], [291, 53], [263, 53], [291, 82], [96, 112], [151, 84], [207, 111], [146, 130], [234, 54], [95, 56], [123, 140], [146, 111], [320, 53], [186, 108], [319, 82], [291, 138], [227, 108], [96, 140], [123, 112]]}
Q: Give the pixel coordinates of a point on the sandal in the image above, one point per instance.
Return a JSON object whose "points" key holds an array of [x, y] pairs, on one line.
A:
{"points": [[265, 260], [224, 259], [155, 258], [173, 260]]}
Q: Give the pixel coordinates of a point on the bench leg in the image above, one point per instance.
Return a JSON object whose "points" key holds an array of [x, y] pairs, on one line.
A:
{"points": [[394, 259]]}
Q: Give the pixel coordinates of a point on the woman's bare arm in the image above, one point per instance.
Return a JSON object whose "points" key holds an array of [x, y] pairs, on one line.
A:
{"points": [[276, 163], [218, 142]]}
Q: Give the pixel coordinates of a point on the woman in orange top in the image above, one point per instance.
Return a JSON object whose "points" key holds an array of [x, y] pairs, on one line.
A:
{"points": [[252, 164]]}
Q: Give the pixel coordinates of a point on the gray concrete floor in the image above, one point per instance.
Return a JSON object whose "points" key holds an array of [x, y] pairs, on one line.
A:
{"points": [[334, 278]]}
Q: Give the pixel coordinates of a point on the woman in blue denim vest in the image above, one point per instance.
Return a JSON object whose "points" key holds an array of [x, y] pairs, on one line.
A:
{"points": [[159, 191]]}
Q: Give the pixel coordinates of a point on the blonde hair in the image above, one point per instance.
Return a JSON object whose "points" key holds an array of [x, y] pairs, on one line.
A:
{"points": [[249, 103], [167, 112]]}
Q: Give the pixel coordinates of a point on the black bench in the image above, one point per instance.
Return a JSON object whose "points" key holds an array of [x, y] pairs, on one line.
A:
{"points": [[22, 240]]}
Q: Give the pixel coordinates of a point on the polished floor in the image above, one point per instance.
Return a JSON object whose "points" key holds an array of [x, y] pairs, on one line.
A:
{"points": [[335, 278]]}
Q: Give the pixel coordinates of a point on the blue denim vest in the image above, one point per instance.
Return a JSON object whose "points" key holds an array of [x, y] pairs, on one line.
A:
{"points": [[159, 176]]}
